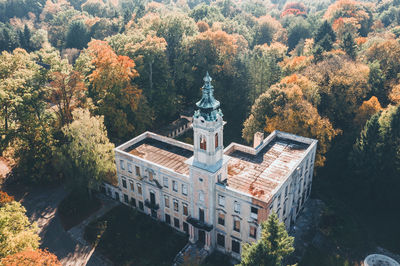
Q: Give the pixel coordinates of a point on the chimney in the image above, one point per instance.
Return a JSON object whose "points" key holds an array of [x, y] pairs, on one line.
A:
{"points": [[258, 139]]}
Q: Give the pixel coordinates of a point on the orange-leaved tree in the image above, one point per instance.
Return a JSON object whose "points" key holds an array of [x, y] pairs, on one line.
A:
{"points": [[30, 257], [112, 89]]}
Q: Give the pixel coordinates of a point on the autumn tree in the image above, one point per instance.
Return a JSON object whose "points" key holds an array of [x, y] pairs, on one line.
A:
{"points": [[87, 157], [275, 244], [17, 233], [286, 106], [366, 110], [67, 92], [114, 95], [5, 198], [343, 85], [31, 257], [349, 15]]}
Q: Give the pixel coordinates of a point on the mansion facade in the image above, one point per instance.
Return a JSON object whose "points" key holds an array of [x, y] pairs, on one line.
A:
{"points": [[218, 196]]}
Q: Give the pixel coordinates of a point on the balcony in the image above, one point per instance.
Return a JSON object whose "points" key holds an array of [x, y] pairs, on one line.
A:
{"points": [[199, 224], [153, 206]]}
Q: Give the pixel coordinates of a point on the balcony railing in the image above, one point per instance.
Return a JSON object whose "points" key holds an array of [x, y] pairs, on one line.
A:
{"points": [[150, 205], [199, 224]]}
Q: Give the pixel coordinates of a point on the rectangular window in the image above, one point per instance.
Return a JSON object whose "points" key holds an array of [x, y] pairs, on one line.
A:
{"points": [[236, 207], [201, 196], [254, 213], [131, 184], [219, 178], [253, 231], [235, 246], [176, 206], [133, 202], [139, 188], [176, 222], [221, 201], [286, 190], [185, 209], [168, 219], [129, 167], [201, 215], [236, 225], [166, 200], [121, 162], [150, 175], [220, 240], [186, 227], [203, 143], [126, 198], [165, 181], [279, 200], [221, 219], [184, 189], [175, 186], [141, 207], [216, 140], [124, 182], [137, 169]]}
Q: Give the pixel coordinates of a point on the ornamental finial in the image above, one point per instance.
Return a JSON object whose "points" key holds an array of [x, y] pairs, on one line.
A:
{"points": [[207, 81]]}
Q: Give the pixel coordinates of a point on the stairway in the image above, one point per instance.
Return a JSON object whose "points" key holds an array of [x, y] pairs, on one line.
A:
{"points": [[192, 254]]}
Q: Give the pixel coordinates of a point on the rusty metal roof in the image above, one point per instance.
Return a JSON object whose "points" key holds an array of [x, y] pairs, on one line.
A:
{"points": [[165, 154], [260, 174]]}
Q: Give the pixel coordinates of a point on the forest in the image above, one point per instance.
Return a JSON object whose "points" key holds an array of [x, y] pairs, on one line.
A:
{"points": [[79, 76]]}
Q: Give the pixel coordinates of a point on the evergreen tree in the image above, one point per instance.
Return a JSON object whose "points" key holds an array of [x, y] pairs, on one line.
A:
{"points": [[77, 35], [274, 245], [325, 36], [318, 54], [25, 39], [349, 46]]}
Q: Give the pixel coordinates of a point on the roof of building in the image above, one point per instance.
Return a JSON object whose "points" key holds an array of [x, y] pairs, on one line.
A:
{"points": [[162, 153], [260, 174], [177, 124]]}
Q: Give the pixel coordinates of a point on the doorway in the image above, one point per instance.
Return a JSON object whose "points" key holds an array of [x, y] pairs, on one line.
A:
{"points": [[202, 237]]}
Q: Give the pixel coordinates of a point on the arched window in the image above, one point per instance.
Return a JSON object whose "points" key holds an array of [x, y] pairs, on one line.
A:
{"points": [[216, 140], [203, 143]]}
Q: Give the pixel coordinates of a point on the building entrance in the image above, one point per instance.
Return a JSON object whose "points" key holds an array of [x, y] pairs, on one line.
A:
{"points": [[202, 237]]}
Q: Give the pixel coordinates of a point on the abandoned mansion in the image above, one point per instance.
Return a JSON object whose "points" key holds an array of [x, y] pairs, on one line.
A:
{"points": [[218, 196]]}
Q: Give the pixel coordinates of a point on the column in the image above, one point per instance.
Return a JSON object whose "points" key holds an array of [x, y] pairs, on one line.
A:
{"points": [[191, 234]]}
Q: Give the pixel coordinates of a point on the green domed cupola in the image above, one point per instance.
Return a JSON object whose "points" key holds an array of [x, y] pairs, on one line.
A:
{"points": [[208, 105]]}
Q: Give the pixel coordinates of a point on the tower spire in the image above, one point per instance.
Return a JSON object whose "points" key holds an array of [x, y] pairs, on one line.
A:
{"points": [[208, 105]]}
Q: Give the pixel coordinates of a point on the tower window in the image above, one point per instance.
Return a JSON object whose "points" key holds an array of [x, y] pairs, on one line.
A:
{"points": [[216, 140], [203, 143]]}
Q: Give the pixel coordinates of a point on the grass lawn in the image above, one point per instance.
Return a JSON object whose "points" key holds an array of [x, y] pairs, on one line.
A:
{"points": [[128, 237], [75, 208]]}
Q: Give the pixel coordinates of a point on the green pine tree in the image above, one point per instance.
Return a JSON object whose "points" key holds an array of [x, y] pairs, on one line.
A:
{"points": [[325, 36], [349, 46], [274, 245]]}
